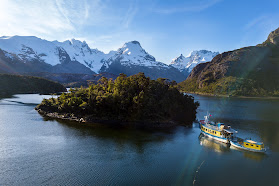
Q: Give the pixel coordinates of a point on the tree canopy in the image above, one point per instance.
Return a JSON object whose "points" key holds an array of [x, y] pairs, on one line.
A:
{"points": [[133, 98], [18, 84]]}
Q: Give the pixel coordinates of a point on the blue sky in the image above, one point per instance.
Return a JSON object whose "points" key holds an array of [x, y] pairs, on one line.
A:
{"points": [[164, 28]]}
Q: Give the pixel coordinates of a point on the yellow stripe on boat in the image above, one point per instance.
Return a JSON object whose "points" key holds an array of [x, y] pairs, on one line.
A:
{"points": [[253, 145], [211, 131]]}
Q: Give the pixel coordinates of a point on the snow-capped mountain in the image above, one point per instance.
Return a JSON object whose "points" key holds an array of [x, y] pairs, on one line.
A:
{"points": [[32, 48], [23, 54], [186, 64], [132, 58], [131, 53]]}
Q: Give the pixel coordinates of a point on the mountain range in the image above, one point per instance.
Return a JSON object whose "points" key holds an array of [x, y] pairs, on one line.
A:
{"points": [[29, 54], [186, 64], [248, 71]]}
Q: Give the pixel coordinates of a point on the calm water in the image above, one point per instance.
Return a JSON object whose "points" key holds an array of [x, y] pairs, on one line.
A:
{"points": [[37, 151]]}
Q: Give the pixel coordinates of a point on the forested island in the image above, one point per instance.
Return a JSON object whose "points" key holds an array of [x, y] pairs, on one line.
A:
{"points": [[133, 99], [18, 84]]}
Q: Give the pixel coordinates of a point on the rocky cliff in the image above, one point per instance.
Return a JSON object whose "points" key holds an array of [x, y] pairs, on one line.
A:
{"points": [[249, 71]]}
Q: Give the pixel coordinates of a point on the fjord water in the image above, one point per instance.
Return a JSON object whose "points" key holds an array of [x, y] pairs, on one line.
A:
{"points": [[38, 151]]}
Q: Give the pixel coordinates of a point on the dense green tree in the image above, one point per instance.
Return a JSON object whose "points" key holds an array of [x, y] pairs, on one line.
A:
{"points": [[133, 98], [18, 84]]}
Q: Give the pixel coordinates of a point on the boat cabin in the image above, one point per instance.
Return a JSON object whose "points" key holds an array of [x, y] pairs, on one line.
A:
{"points": [[253, 145]]}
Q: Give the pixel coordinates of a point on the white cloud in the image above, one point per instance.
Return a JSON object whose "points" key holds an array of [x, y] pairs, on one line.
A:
{"points": [[98, 22], [41, 18], [198, 6], [130, 14], [256, 21]]}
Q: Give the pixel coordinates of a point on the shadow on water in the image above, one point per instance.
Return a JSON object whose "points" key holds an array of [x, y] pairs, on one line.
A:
{"points": [[22, 103], [121, 135], [5, 96]]}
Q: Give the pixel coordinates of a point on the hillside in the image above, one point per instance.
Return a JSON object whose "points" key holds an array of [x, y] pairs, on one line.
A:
{"points": [[17, 84], [249, 71], [73, 80]]}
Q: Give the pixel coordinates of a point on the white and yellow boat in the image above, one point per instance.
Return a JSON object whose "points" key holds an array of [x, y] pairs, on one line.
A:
{"points": [[224, 133], [216, 131], [249, 145]]}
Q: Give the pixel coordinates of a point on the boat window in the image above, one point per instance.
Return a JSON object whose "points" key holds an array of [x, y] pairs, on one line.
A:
{"points": [[252, 145], [257, 146]]}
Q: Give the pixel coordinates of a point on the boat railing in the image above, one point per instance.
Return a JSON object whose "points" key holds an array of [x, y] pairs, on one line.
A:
{"points": [[212, 126]]}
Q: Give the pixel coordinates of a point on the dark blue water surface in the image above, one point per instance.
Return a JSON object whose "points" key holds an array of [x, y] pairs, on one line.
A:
{"points": [[38, 151]]}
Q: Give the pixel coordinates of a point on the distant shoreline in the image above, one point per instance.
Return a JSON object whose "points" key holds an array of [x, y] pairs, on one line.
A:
{"points": [[227, 96]]}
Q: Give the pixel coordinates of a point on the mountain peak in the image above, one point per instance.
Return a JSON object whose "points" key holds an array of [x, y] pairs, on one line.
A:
{"points": [[202, 52], [273, 37], [20, 39], [178, 59], [131, 53], [135, 42], [132, 48], [132, 44], [195, 57], [77, 42]]}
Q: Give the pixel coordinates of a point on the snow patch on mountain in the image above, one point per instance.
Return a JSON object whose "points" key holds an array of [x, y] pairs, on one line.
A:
{"points": [[29, 47], [193, 59], [131, 53]]}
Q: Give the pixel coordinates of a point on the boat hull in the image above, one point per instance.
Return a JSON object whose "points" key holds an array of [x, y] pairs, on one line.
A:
{"points": [[223, 140], [237, 145]]}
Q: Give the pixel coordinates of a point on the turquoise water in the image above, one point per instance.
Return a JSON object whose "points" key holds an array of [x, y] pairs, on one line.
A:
{"points": [[38, 151]]}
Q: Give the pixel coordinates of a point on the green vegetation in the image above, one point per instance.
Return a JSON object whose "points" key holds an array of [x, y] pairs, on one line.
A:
{"points": [[17, 84], [249, 71], [133, 99], [229, 86]]}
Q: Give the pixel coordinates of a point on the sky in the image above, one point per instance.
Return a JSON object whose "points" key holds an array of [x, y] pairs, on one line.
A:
{"points": [[165, 28]]}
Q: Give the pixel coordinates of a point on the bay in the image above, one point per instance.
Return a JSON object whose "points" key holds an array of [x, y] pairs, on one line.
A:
{"points": [[38, 151]]}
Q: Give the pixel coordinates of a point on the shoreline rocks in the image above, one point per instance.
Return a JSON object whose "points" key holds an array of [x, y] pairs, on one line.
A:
{"points": [[88, 120]]}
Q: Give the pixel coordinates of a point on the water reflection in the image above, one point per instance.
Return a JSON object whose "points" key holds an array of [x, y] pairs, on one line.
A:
{"points": [[251, 155], [254, 156], [120, 136], [213, 144]]}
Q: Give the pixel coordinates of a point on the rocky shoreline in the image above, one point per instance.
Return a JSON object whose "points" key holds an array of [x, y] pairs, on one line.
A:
{"points": [[89, 120]]}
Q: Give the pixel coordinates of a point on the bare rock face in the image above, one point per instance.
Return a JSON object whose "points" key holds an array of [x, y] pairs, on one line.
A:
{"points": [[274, 37], [255, 67]]}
